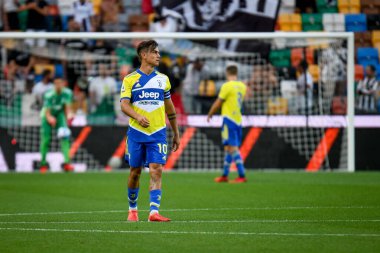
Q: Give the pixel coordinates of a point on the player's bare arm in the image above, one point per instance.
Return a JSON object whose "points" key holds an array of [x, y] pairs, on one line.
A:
{"points": [[127, 109], [170, 112], [69, 114], [214, 108], [50, 118]]}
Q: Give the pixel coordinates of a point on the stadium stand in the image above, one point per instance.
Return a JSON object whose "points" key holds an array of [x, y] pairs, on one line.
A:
{"points": [[288, 6], [359, 16], [363, 39], [373, 22], [349, 6], [312, 22], [367, 56], [370, 6], [359, 72], [334, 22], [290, 22], [356, 22], [325, 6]]}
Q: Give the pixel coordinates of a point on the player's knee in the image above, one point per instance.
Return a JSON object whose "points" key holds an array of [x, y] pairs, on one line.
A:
{"points": [[155, 168], [230, 149], [135, 173]]}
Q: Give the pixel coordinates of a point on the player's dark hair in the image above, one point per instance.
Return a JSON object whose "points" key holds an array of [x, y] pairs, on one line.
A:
{"points": [[46, 73], [146, 45], [232, 70], [373, 69]]}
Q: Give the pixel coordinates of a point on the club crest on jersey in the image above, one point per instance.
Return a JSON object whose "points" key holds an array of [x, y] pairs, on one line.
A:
{"points": [[159, 83]]}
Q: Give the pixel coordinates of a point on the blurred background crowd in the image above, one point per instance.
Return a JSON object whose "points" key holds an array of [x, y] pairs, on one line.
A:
{"points": [[96, 74]]}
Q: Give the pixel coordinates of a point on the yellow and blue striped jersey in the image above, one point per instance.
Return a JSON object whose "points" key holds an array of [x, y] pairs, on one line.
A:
{"points": [[147, 94], [232, 93]]}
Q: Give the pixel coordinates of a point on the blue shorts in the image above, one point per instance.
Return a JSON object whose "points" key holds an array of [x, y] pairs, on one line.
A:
{"points": [[142, 153], [231, 136]]}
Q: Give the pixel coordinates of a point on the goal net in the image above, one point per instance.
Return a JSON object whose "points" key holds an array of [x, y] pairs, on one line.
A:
{"points": [[297, 111]]}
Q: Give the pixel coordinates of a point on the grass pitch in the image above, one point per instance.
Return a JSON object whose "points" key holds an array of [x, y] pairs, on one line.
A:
{"points": [[273, 212]]}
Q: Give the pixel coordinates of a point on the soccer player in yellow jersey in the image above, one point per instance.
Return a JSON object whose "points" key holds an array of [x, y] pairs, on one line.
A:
{"points": [[230, 98], [145, 98]]}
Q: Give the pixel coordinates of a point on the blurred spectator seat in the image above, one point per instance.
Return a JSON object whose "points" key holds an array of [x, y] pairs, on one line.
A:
{"points": [[359, 72], [312, 22], [368, 55], [277, 106], [58, 70], [207, 88], [376, 39], [314, 72], [334, 22], [280, 58], [373, 22], [370, 6], [96, 5], [356, 23], [297, 55], [39, 68], [290, 22], [363, 39], [327, 6], [287, 6], [349, 6], [138, 23], [147, 7], [377, 71], [308, 6]]}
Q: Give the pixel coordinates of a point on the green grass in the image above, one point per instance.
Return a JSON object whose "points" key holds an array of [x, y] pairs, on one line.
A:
{"points": [[273, 212]]}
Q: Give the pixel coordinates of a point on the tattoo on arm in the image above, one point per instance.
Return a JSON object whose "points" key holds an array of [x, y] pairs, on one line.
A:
{"points": [[172, 116]]}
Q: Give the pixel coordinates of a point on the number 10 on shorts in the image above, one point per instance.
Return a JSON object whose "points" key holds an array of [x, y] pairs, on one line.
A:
{"points": [[163, 148]]}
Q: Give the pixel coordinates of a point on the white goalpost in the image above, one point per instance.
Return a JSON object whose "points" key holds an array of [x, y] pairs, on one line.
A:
{"points": [[263, 108]]}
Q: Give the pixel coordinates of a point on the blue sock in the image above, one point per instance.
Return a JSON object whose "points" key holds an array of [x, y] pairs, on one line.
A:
{"points": [[239, 163], [133, 195], [227, 164], [155, 199]]}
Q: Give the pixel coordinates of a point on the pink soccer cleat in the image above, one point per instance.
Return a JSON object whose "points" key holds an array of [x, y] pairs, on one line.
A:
{"points": [[222, 179], [156, 217], [133, 216], [239, 180]]}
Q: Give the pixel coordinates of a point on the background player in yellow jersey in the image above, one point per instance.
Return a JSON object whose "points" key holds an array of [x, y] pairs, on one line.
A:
{"points": [[145, 98], [230, 98]]}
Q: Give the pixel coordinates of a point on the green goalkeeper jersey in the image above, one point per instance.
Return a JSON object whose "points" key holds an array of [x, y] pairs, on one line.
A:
{"points": [[56, 102]]}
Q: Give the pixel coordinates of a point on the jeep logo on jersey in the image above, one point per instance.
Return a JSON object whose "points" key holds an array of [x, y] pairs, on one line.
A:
{"points": [[154, 95]]}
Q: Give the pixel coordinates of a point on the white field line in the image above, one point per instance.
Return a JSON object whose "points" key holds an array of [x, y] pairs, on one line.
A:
{"points": [[193, 221], [189, 232], [196, 209]]}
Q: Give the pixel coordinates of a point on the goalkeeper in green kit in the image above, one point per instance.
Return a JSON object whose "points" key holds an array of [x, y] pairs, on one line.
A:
{"points": [[56, 113]]}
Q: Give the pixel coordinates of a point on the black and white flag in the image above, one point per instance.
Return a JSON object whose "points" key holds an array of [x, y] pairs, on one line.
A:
{"points": [[224, 16]]}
